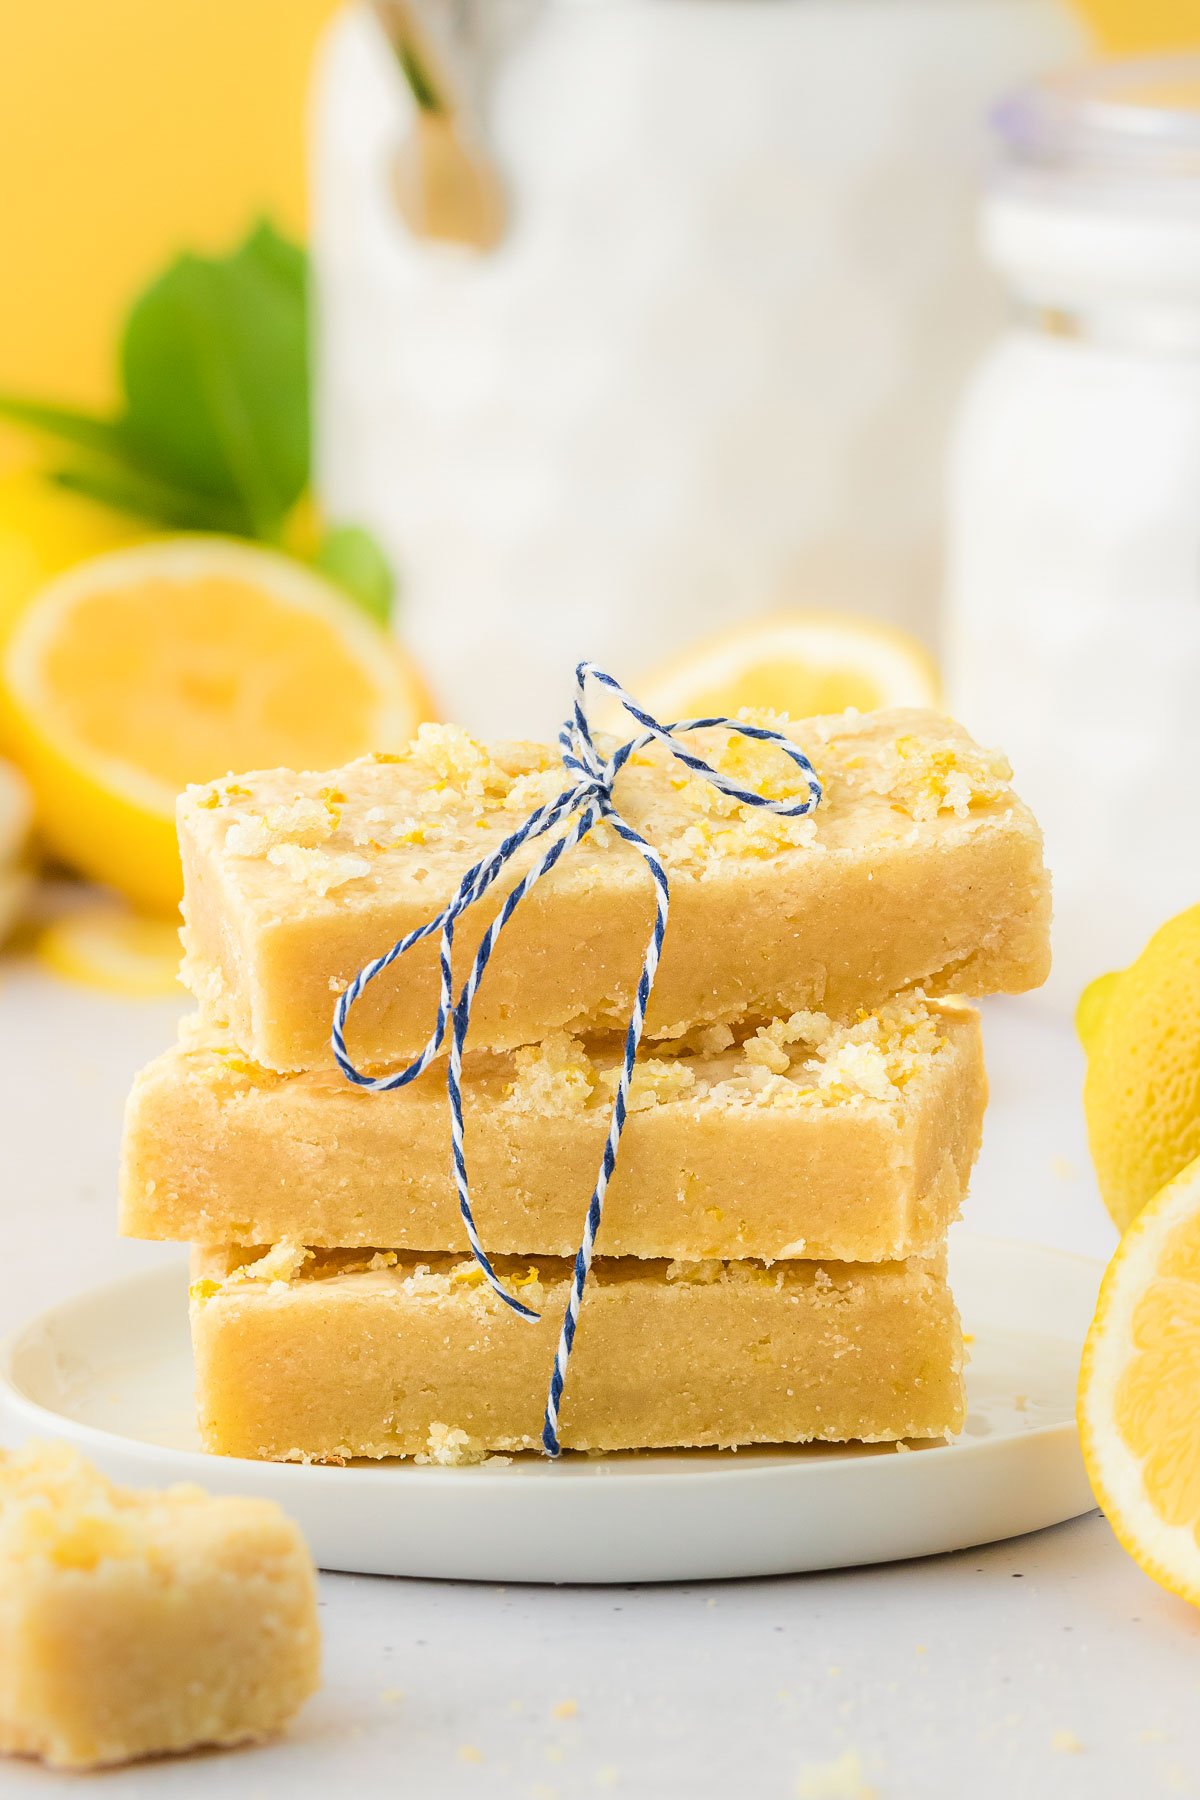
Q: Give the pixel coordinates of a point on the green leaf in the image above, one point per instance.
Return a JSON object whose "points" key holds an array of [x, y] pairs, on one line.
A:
{"points": [[215, 367], [350, 556], [215, 431], [287, 261], [83, 430], [114, 472], [127, 491]]}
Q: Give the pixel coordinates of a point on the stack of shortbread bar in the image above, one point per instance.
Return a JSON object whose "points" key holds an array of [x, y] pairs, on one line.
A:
{"points": [[771, 1266]]}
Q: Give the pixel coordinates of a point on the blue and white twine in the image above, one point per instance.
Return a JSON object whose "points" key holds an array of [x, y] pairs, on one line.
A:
{"points": [[586, 800]]}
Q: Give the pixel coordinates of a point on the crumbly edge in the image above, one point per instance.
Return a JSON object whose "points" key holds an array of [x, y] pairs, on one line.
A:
{"points": [[55, 1507], [224, 1272], [806, 1061]]}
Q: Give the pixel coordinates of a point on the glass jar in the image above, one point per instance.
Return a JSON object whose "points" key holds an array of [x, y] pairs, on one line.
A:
{"points": [[708, 367], [1073, 627]]}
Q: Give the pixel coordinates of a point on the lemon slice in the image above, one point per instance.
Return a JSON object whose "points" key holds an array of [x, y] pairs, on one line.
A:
{"points": [[797, 663], [110, 948], [1139, 1389], [178, 661]]}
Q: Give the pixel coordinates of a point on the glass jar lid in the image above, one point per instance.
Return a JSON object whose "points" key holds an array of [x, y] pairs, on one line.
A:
{"points": [[1139, 118], [1094, 200]]}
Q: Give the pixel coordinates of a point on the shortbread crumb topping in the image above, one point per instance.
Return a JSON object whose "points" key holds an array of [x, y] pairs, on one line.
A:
{"points": [[805, 1060], [448, 798]]}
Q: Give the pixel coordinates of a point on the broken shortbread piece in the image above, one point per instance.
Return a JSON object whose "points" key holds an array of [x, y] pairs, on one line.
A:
{"points": [[133, 1623]]}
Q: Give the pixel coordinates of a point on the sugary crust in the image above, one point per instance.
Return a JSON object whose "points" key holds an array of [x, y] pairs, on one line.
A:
{"points": [[921, 867]]}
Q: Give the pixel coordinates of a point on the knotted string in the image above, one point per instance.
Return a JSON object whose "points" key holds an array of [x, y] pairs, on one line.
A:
{"points": [[586, 800]]}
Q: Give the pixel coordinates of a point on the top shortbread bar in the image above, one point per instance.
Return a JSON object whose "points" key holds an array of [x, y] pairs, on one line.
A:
{"points": [[920, 866]]}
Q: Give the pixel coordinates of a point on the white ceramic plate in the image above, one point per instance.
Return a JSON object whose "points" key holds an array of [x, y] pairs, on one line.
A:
{"points": [[111, 1372]]}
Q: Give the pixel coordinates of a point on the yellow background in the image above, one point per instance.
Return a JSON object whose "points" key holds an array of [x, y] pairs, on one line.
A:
{"points": [[131, 127], [127, 129]]}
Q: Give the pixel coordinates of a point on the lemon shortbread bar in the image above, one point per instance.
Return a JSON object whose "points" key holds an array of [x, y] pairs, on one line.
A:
{"points": [[800, 1139], [920, 867], [136, 1623], [328, 1355]]}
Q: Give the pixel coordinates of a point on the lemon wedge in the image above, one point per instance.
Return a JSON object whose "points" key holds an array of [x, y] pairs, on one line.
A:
{"points": [[1139, 1389], [798, 663], [176, 661]]}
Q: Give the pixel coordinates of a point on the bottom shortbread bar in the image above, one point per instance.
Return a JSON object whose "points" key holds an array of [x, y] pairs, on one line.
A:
{"points": [[328, 1355], [137, 1623]]}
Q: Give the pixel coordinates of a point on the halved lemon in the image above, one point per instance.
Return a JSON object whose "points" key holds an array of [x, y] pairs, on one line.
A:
{"points": [[176, 661], [797, 663], [44, 529], [1139, 1389]]}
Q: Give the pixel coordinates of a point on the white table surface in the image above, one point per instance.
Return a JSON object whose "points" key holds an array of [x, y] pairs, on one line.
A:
{"points": [[1045, 1667]]}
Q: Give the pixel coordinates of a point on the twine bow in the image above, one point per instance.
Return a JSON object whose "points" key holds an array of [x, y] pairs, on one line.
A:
{"points": [[587, 798]]}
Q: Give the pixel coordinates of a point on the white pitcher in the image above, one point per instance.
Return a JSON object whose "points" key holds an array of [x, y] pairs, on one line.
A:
{"points": [[706, 370]]}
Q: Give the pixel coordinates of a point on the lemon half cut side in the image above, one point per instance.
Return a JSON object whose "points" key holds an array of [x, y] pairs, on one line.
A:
{"points": [[1139, 1389], [798, 663], [178, 661]]}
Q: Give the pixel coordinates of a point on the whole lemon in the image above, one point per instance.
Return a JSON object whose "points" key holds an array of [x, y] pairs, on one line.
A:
{"points": [[1140, 1029]]}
